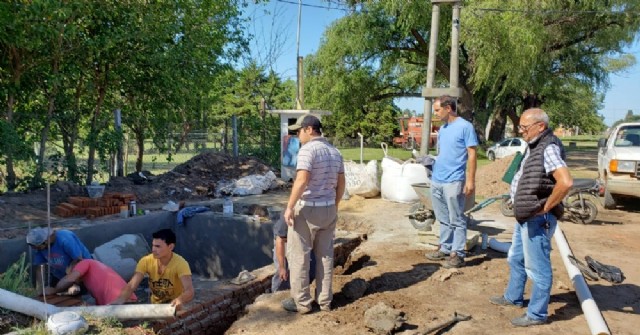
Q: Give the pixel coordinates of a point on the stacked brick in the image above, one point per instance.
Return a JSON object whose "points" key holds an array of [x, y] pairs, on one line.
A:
{"points": [[109, 203]]}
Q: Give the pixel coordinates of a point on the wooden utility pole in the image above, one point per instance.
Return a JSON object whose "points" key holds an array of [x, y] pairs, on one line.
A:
{"points": [[428, 92]]}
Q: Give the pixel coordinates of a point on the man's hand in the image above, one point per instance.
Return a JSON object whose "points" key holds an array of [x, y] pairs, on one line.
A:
{"points": [[283, 273], [177, 303], [288, 216], [73, 289], [469, 187]]}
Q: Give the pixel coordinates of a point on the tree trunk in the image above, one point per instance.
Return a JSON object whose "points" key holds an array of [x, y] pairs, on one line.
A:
{"points": [[498, 124], [139, 133], [37, 180], [93, 131], [11, 173]]}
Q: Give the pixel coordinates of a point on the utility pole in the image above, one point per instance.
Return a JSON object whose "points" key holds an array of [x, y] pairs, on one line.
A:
{"points": [[428, 92], [299, 92]]}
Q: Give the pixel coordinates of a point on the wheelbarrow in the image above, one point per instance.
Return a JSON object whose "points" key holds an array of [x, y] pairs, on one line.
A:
{"points": [[421, 213]]}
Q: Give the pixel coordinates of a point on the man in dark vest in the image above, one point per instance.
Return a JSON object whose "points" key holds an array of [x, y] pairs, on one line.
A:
{"points": [[537, 190]]}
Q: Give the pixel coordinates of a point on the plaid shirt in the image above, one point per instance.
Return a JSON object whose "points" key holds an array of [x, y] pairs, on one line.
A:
{"points": [[552, 161]]}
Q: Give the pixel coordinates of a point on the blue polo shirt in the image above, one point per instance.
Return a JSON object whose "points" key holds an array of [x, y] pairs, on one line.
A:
{"points": [[65, 249], [453, 140]]}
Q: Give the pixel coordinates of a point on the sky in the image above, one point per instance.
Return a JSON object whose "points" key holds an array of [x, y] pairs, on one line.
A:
{"points": [[280, 18]]}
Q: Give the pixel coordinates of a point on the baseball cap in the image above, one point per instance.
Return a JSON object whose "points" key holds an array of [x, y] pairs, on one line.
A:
{"points": [[306, 120], [37, 236]]}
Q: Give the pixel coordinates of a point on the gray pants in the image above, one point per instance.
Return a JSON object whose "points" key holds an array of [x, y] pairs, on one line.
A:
{"points": [[313, 231]]}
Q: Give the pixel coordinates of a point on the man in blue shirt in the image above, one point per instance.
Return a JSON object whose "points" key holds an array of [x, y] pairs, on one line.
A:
{"points": [[56, 248], [450, 182]]}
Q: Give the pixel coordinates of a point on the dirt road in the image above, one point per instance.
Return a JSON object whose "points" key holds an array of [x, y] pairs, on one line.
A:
{"points": [[392, 262]]}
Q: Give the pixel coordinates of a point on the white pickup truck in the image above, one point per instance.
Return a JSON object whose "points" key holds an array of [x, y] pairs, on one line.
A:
{"points": [[619, 163]]}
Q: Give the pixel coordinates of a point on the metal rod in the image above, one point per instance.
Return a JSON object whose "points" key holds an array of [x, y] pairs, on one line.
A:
{"points": [[48, 236]]}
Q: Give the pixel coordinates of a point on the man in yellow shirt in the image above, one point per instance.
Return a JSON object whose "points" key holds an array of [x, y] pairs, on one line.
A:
{"points": [[169, 273]]}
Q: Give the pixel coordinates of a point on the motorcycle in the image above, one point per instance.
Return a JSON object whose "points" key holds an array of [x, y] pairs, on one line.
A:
{"points": [[579, 204]]}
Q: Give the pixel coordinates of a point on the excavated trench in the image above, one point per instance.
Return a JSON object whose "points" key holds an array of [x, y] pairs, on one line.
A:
{"points": [[217, 248]]}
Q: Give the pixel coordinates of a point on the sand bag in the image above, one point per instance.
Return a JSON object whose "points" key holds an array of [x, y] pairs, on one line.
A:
{"points": [[397, 177], [362, 179]]}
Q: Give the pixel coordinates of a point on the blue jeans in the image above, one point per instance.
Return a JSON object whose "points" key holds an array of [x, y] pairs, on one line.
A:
{"points": [[448, 206], [529, 256]]}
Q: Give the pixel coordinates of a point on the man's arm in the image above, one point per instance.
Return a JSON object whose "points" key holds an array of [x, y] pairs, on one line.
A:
{"points": [[340, 188], [131, 286], [564, 182], [281, 245], [472, 164], [187, 294], [299, 185], [64, 283]]}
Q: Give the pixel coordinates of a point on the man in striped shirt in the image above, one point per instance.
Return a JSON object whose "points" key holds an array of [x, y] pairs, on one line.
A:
{"points": [[311, 215]]}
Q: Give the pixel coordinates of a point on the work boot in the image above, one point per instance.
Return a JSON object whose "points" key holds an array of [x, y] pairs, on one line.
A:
{"points": [[290, 306], [436, 255], [502, 301], [526, 321], [454, 261]]}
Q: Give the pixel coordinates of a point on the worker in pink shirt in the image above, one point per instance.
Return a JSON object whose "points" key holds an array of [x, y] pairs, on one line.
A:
{"points": [[102, 282]]}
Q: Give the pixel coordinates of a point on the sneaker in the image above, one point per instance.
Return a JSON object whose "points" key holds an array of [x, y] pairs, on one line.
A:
{"points": [[500, 300], [290, 306], [436, 255], [526, 321], [454, 262]]}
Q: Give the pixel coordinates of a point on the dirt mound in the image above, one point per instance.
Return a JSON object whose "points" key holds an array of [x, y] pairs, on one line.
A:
{"points": [[195, 179], [489, 178]]}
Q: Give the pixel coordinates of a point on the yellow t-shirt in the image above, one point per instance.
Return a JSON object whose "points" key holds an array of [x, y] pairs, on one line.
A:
{"points": [[167, 286]]}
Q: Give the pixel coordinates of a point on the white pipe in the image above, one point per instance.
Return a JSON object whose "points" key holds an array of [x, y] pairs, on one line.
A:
{"points": [[127, 312], [596, 322], [24, 305], [40, 310], [499, 246]]}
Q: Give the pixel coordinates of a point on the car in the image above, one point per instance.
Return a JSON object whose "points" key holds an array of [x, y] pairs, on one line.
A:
{"points": [[507, 147], [619, 163]]}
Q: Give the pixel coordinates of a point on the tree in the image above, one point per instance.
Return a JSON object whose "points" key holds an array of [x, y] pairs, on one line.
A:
{"points": [[513, 54]]}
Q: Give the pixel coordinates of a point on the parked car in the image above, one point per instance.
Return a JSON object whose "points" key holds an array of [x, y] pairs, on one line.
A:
{"points": [[619, 163], [506, 147]]}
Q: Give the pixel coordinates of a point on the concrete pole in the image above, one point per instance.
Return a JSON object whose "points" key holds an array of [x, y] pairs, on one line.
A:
{"points": [[431, 70], [300, 98], [455, 37]]}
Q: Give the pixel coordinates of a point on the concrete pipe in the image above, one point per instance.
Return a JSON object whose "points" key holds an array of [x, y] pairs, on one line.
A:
{"points": [[596, 322]]}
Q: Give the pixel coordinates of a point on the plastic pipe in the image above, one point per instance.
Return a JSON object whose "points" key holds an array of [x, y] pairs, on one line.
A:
{"points": [[126, 312], [596, 322], [24, 305], [499, 246], [40, 310]]}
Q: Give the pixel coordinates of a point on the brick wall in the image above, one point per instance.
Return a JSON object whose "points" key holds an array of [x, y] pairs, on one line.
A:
{"points": [[226, 302]]}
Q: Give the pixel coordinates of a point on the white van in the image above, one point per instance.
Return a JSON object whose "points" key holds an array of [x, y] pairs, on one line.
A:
{"points": [[619, 163]]}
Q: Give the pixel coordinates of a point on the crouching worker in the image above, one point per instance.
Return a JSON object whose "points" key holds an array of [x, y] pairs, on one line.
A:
{"points": [[280, 280], [57, 248], [102, 282], [169, 273]]}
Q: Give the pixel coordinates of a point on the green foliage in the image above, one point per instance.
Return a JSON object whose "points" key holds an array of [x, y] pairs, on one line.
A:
{"points": [[16, 278]]}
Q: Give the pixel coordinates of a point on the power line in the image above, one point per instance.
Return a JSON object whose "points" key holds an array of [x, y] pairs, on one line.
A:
{"points": [[313, 6]]}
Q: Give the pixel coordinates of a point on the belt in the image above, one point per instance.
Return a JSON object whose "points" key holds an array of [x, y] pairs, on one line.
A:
{"points": [[316, 203]]}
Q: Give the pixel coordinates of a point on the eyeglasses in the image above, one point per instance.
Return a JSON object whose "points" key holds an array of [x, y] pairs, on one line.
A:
{"points": [[524, 129]]}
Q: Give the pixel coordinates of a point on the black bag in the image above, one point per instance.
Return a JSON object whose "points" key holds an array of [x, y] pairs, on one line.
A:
{"points": [[607, 272]]}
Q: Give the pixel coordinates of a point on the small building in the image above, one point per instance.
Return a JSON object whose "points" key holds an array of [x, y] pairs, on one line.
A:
{"points": [[289, 143]]}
